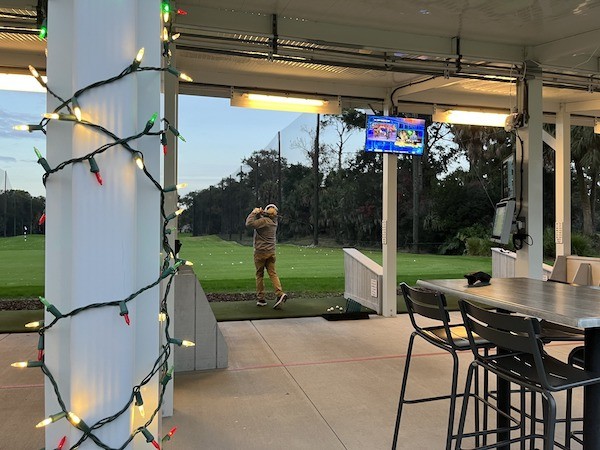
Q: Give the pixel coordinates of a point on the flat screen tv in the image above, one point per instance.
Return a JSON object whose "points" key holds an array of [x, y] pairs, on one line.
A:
{"points": [[503, 220], [386, 134]]}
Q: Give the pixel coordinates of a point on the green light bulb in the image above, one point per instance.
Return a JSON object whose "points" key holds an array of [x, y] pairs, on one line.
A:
{"points": [[51, 308], [43, 30], [176, 132], [150, 123]]}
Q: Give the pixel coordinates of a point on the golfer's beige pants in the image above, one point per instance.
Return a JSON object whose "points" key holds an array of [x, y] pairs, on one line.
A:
{"points": [[264, 261]]}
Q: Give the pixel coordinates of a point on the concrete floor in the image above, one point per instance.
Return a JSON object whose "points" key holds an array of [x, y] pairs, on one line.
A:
{"points": [[291, 384]]}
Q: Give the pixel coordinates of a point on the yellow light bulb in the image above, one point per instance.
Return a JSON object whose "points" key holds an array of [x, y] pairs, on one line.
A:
{"points": [[165, 34], [140, 55], [34, 72], [20, 364], [77, 112], [179, 212], [181, 185], [175, 36], [33, 324], [53, 116], [44, 423], [139, 161], [142, 411], [21, 127], [162, 317], [74, 418], [189, 263], [53, 418], [185, 343], [166, 17], [185, 77]]}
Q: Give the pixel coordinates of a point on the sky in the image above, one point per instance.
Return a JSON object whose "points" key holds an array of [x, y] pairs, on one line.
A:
{"points": [[218, 137]]}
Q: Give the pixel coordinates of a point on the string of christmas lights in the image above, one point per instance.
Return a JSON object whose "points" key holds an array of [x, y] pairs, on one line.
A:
{"points": [[70, 110]]}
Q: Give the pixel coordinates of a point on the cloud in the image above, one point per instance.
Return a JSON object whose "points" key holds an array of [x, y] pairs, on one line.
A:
{"points": [[7, 159]]}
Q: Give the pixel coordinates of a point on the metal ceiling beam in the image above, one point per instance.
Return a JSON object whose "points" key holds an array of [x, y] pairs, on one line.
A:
{"points": [[422, 85], [282, 83], [18, 4], [589, 105], [395, 42], [18, 61]]}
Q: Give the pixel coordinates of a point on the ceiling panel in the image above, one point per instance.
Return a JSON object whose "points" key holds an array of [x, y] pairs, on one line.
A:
{"points": [[368, 49]]}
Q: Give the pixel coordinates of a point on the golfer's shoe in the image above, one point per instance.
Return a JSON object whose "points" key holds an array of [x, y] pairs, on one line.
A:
{"points": [[261, 303], [280, 301]]}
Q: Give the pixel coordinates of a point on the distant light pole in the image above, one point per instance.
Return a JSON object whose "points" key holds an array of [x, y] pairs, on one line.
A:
{"points": [[4, 220]]}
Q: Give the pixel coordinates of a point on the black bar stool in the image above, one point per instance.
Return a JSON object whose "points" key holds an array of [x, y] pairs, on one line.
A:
{"points": [[520, 359], [446, 336]]}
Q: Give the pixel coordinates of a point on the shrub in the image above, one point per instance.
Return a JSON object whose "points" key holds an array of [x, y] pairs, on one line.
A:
{"points": [[458, 244], [581, 245], [478, 246]]}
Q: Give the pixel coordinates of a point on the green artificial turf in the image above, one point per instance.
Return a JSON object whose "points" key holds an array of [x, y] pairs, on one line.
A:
{"points": [[14, 321], [294, 307]]}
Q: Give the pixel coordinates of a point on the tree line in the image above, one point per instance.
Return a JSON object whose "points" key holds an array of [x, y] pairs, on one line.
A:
{"points": [[445, 198], [20, 213]]}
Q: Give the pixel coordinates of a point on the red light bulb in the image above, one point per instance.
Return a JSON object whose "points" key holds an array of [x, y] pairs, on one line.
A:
{"points": [[126, 317], [40, 355], [156, 444], [62, 443], [181, 12], [164, 149], [42, 219], [172, 432], [98, 177]]}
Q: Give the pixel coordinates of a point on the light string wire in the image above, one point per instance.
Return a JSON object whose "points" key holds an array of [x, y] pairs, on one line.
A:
{"points": [[168, 272]]}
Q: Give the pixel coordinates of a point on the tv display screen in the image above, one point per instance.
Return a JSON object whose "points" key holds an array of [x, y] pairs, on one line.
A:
{"points": [[503, 219], [402, 135]]}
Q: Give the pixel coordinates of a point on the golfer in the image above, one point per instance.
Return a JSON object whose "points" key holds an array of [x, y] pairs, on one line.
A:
{"points": [[264, 222]]}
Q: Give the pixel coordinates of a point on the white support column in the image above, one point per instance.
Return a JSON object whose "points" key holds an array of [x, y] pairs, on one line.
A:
{"points": [[102, 242], [388, 233], [562, 173], [170, 178], [529, 258]]}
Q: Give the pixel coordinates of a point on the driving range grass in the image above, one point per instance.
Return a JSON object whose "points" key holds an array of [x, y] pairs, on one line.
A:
{"points": [[224, 266], [22, 266], [314, 275]]}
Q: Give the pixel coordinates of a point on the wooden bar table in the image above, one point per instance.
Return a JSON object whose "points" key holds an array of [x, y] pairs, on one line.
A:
{"points": [[574, 306]]}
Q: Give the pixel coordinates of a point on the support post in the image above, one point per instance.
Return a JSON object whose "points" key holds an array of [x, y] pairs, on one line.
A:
{"points": [[562, 173], [529, 258], [102, 242], [389, 234]]}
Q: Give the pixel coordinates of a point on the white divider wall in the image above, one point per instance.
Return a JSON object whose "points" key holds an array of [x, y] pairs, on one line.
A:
{"points": [[363, 280], [102, 242]]}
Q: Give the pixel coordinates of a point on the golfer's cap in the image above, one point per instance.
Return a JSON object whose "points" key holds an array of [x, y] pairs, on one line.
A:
{"points": [[271, 205]]}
